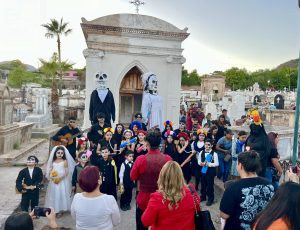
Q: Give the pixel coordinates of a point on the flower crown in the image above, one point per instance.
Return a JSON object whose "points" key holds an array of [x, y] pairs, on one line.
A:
{"points": [[168, 123], [202, 131], [170, 133], [81, 140], [127, 131], [254, 115], [109, 129], [184, 135], [137, 123]]}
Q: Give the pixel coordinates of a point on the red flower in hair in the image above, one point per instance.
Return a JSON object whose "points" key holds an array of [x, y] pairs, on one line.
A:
{"points": [[81, 140], [141, 131], [184, 135]]}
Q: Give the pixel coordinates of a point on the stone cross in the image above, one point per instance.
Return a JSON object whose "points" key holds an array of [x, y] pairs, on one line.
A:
{"points": [[278, 100], [137, 4]]}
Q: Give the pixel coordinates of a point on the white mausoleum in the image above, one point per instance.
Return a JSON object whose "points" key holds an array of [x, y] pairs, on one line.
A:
{"points": [[124, 46]]}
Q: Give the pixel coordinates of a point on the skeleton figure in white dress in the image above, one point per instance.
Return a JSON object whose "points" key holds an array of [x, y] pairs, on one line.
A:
{"points": [[152, 103]]}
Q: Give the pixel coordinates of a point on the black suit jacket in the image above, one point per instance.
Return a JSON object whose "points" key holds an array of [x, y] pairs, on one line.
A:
{"points": [[37, 177]]}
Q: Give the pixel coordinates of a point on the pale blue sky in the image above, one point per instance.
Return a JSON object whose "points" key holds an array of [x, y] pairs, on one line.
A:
{"points": [[224, 33]]}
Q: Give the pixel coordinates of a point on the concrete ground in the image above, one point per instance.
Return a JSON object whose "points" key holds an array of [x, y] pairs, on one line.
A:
{"points": [[9, 201]]}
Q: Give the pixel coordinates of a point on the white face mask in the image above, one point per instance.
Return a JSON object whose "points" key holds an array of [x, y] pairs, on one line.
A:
{"points": [[152, 83], [101, 80]]}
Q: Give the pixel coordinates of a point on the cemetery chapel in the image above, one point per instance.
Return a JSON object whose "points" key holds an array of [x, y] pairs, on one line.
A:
{"points": [[124, 46]]}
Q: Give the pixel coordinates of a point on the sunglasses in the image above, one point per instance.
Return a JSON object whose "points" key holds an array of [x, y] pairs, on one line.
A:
{"points": [[72, 121]]}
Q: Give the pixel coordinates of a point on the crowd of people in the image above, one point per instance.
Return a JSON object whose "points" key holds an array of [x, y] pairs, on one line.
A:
{"points": [[86, 172]]}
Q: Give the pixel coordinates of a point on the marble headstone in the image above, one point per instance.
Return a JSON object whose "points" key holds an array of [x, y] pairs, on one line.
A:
{"points": [[279, 101], [256, 100]]}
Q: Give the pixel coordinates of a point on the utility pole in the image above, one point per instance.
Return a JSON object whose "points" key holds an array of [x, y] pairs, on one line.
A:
{"points": [[295, 144]]}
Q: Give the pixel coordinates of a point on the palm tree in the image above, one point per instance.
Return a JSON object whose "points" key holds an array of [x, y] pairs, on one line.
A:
{"points": [[50, 69], [57, 29]]}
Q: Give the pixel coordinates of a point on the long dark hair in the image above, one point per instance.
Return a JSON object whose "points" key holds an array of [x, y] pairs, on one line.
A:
{"points": [[57, 149], [284, 204], [272, 136]]}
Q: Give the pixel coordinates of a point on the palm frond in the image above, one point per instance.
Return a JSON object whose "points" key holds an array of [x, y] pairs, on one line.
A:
{"points": [[49, 35], [66, 33]]}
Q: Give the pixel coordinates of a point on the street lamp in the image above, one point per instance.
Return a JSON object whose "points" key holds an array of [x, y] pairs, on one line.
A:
{"points": [[268, 84]]}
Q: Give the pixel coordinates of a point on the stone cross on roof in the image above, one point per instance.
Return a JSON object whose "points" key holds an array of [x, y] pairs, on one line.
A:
{"points": [[137, 4]]}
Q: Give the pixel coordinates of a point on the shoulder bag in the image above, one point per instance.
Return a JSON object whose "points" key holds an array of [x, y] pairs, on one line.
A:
{"points": [[202, 218]]}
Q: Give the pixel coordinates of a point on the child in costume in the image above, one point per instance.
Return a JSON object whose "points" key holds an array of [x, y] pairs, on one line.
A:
{"points": [[170, 147], [29, 182], [168, 126], [208, 160], [59, 172], [82, 146], [140, 148], [108, 169], [126, 184], [238, 146], [184, 151], [135, 126], [127, 136], [108, 141], [197, 147], [83, 161]]}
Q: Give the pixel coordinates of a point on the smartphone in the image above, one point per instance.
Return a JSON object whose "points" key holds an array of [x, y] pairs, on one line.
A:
{"points": [[40, 211]]}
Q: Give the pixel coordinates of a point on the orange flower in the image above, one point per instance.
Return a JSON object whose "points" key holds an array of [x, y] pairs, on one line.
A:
{"points": [[53, 173]]}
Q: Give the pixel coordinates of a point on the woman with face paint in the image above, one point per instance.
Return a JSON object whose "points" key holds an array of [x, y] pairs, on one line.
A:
{"points": [[59, 171]]}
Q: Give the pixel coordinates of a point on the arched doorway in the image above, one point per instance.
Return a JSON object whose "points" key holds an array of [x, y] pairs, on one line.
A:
{"points": [[131, 92]]}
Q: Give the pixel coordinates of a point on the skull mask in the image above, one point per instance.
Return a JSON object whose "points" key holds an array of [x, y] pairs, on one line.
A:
{"points": [[152, 84], [101, 80]]}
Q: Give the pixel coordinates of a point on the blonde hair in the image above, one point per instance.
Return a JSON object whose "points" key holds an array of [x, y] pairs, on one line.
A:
{"points": [[170, 183]]}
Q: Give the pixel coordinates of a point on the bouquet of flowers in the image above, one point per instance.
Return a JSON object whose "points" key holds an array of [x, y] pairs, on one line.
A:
{"points": [[54, 176]]}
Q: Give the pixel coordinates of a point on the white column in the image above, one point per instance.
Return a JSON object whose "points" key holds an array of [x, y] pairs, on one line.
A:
{"points": [[93, 64]]}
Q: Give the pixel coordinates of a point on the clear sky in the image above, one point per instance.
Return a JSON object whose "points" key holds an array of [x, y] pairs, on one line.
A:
{"points": [[254, 34]]}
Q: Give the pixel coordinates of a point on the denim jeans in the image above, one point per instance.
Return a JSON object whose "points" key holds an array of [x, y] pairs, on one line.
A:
{"points": [[268, 176], [224, 167]]}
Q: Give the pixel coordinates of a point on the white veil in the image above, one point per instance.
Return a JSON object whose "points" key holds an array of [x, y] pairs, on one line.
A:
{"points": [[69, 158]]}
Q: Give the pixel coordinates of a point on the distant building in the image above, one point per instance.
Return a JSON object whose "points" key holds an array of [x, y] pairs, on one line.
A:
{"points": [[71, 80], [213, 85]]}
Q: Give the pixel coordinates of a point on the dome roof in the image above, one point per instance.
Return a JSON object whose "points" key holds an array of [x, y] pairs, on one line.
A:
{"points": [[135, 21]]}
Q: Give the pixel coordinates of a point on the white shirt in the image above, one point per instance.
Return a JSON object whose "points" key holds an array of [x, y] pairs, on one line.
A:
{"points": [[102, 93], [95, 213], [122, 170], [215, 156], [30, 171]]}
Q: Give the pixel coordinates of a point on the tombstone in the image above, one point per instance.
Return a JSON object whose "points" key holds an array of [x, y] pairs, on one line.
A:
{"points": [[12, 135], [237, 108], [256, 87], [256, 100], [279, 101], [42, 116], [211, 108]]}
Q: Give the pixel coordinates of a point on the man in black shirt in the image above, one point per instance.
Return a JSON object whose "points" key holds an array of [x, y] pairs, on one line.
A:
{"points": [[63, 135]]}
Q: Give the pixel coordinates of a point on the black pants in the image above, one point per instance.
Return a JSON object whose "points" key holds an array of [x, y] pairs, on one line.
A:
{"points": [[207, 184], [30, 197], [138, 219], [126, 197]]}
